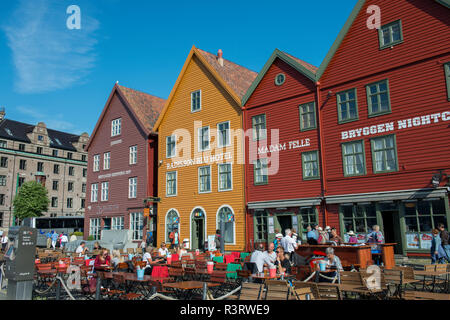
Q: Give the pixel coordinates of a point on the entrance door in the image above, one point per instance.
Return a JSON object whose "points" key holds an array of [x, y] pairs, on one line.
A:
{"points": [[198, 230], [391, 227], [285, 223]]}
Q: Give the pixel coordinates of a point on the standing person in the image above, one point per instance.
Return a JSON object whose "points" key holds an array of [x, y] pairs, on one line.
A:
{"points": [[173, 236], [375, 238], [54, 239], [444, 241], [49, 239], [64, 240], [4, 241], [277, 240], [436, 250], [335, 237], [311, 235], [217, 239], [323, 236], [316, 231], [289, 243]]}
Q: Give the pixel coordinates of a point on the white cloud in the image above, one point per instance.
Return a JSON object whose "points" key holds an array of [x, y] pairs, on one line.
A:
{"points": [[53, 121], [47, 55]]}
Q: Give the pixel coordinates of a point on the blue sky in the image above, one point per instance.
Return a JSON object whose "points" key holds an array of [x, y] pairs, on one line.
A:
{"points": [[64, 77]]}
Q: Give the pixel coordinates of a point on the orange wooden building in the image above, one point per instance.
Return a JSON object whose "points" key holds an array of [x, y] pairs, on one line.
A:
{"points": [[201, 170]]}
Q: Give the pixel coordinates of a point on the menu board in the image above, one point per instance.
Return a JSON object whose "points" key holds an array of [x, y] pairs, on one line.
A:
{"points": [[412, 241], [425, 240]]}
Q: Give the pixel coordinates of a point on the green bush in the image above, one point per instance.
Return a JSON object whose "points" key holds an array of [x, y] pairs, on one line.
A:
{"points": [[78, 234], [90, 238]]}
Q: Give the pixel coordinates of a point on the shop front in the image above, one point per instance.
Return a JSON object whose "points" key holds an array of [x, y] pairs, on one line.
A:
{"points": [[268, 219], [405, 217]]}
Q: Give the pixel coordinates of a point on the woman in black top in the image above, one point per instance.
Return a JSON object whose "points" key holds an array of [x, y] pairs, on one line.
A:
{"points": [[282, 263]]}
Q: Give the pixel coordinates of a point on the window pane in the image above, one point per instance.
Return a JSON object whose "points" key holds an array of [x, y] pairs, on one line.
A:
{"points": [[411, 224], [348, 225], [425, 223], [347, 211], [438, 207], [424, 208]]}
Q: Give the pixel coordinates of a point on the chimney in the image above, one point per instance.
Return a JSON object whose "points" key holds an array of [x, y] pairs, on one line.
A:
{"points": [[219, 57], [2, 113]]}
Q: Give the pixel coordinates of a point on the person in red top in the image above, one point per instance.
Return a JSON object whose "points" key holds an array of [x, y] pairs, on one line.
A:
{"points": [[102, 260]]}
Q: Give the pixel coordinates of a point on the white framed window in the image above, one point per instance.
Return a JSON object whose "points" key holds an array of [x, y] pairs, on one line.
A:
{"points": [[226, 214], [133, 154], [94, 192], [223, 134], [116, 127], [171, 183], [196, 101], [204, 179], [132, 187], [203, 139], [96, 166], [225, 172], [106, 160], [172, 223], [105, 191], [117, 223], [171, 146], [94, 228], [259, 127], [137, 225], [261, 173]]}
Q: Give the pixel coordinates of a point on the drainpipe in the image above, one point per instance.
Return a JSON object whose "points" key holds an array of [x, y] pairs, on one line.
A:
{"points": [[244, 120], [322, 154]]}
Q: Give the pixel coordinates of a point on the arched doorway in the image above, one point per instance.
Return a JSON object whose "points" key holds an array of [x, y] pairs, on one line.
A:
{"points": [[198, 226]]}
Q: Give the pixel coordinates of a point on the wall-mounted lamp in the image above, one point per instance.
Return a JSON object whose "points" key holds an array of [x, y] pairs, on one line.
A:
{"points": [[437, 178]]}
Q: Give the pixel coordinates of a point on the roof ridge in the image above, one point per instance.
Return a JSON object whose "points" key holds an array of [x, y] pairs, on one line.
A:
{"points": [[292, 56], [34, 125], [140, 91], [228, 60]]}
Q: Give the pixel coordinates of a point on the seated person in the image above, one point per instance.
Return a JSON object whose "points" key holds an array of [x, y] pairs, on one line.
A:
{"points": [[116, 258], [148, 258], [102, 260], [181, 251], [81, 249], [282, 262], [97, 246], [311, 237], [333, 262], [260, 259], [335, 238], [163, 251]]}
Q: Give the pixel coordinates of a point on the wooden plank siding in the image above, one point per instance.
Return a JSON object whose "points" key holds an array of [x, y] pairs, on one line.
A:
{"points": [[118, 203], [417, 88], [216, 106], [281, 104]]}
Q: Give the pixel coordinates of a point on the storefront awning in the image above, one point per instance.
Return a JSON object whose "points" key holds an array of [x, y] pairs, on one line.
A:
{"points": [[284, 203], [388, 196]]}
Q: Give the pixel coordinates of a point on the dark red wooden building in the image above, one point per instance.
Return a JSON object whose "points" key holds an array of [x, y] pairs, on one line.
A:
{"points": [[283, 186], [122, 164], [385, 114]]}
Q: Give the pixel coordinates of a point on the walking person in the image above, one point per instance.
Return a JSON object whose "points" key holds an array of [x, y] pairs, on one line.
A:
{"points": [[444, 241], [436, 250], [49, 239], [4, 241], [64, 240], [375, 238], [288, 243], [54, 239]]}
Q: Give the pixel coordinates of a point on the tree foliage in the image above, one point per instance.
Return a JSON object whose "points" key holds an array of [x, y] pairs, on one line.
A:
{"points": [[31, 200]]}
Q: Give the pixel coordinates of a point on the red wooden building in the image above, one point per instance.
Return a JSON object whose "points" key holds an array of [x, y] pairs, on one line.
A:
{"points": [[283, 186], [385, 114], [122, 164], [382, 109]]}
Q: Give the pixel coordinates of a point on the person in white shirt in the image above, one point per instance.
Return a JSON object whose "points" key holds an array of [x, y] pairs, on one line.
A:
{"points": [[81, 250], [4, 241], [147, 257], [290, 244], [163, 251], [260, 259], [271, 253]]}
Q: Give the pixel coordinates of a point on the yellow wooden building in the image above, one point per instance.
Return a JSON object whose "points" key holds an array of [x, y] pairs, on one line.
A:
{"points": [[200, 153]]}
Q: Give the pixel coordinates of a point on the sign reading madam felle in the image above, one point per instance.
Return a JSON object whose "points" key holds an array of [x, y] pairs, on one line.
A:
{"points": [[285, 146], [401, 124]]}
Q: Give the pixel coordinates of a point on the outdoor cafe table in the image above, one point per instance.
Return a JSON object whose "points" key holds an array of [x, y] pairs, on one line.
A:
{"points": [[186, 289], [141, 285], [434, 274]]}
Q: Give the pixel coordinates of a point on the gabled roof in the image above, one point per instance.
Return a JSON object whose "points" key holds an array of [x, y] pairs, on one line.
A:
{"points": [[301, 66], [15, 130], [445, 3], [144, 107], [234, 78]]}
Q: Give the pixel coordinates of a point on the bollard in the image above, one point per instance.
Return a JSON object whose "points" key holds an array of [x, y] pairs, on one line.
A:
{"points": [[58, 288], [205, 289], [98, 287]]}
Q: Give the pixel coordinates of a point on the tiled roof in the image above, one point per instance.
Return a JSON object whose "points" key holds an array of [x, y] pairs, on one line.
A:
{"points": [[307, 65], [237, 77], [146, 107], [15, 130]]}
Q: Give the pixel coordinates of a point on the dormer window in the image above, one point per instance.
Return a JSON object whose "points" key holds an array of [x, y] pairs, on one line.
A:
{"points": [[40, 138]]}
